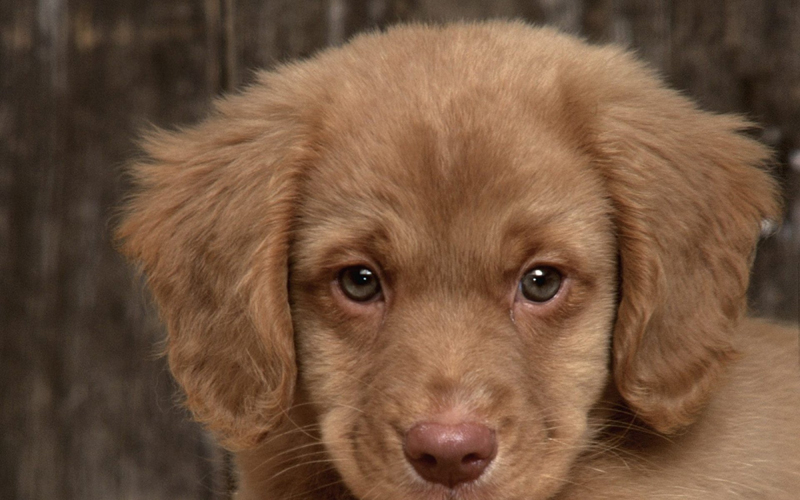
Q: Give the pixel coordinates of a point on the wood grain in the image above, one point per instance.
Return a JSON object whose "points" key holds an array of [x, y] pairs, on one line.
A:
{"points": [[88, 410]]}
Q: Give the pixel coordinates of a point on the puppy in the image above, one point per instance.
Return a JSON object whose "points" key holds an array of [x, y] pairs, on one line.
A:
{"points": [[471, 262]]}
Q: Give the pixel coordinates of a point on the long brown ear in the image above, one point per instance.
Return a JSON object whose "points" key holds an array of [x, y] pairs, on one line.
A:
{"points": [[690, 194], [209, 225]]}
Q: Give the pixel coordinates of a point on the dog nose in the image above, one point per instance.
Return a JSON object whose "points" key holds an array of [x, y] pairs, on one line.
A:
{"points": [[450, 454]]}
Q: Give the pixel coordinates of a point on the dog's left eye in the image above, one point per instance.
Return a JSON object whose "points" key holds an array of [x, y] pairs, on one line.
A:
{"points": [[540, 284], [359, 283]]}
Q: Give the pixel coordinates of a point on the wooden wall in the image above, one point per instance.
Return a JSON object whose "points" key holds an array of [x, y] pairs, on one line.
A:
{"points": [[87, 409]]}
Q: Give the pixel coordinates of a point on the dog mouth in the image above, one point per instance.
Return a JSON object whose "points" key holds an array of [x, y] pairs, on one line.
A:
{"points": [[422, 461], [452, 451], [462, 491], [453, 461], [429, 461]]}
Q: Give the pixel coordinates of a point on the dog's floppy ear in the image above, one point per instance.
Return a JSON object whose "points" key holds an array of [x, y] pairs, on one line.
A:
{"points": [[209, 225], [690, 194]]}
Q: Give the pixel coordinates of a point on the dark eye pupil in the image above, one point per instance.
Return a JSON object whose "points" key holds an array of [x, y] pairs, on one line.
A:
{"points": [[540, 284], [359, 283], [362, 277]]}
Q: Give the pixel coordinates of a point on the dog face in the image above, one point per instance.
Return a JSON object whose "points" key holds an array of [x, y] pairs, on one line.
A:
{"points": [[451, 276], [451, 244]]}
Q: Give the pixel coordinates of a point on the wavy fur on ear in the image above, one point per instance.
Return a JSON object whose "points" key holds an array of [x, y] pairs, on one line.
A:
{"points": [[690, 192], [209, 225]]}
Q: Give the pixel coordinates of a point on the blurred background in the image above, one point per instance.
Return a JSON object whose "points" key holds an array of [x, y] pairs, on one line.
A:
{"points": [[87, 408]]}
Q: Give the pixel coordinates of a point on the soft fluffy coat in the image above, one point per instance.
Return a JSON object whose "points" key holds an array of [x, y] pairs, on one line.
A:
{"points": [[444, 167]]}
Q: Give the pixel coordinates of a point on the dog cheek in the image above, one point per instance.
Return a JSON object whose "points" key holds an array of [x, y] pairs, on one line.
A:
{"points": [[569, 367], [336, 431], [333, 351], [339, 379], [326, 364]]}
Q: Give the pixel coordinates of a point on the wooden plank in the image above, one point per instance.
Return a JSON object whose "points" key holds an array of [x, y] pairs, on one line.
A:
{"points": [[88, 411], [645, 27], [260, 35]]}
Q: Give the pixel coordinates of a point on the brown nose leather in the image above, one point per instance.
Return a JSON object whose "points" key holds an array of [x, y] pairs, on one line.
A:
{"points": [[450, 454]]}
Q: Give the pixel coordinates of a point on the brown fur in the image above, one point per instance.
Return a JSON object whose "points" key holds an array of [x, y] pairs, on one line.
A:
{"points": [[450, 160]]}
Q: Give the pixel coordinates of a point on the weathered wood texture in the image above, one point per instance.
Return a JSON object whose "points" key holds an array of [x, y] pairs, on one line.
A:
{"points": [[87, 408]]}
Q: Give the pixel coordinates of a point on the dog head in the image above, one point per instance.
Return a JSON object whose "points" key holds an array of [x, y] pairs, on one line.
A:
{"points": [[450, 235]]}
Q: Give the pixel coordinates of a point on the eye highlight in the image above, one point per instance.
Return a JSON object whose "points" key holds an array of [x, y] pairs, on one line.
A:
{"points": [[359, 283], [540, 284]]}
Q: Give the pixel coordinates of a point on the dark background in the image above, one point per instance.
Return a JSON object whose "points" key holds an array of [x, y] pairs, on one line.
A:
{"points": [[87, 409]]}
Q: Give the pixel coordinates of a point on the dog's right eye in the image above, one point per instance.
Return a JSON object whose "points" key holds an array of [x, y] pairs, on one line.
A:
{"points": [[540, 284], [359, 283]]}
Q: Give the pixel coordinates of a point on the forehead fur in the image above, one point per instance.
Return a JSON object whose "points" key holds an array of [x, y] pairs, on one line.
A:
{"points": [[416, 141]]}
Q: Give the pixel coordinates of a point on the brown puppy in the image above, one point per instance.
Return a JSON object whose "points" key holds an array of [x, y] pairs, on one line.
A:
{"points": [[470, 262]]}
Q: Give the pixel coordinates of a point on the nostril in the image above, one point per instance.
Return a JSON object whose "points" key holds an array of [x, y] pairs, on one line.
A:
{"points": [[450, 454], [471, 458], [427, 460]]}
